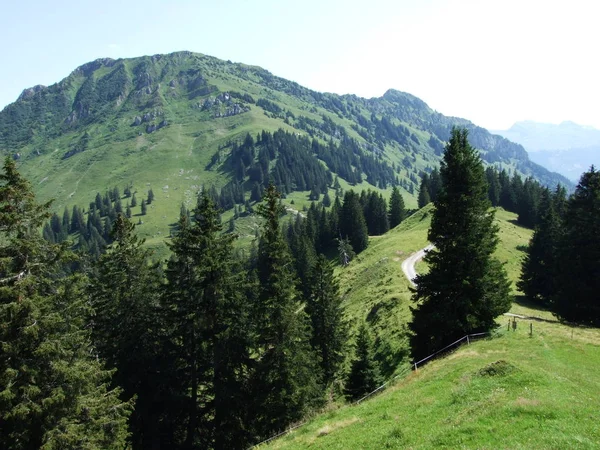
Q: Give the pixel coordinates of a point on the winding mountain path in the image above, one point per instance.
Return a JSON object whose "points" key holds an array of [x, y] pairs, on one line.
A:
{"points": [[408, 265]]}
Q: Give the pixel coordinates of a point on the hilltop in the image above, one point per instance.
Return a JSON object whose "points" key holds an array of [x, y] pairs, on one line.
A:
{"points": [[171, 123]]}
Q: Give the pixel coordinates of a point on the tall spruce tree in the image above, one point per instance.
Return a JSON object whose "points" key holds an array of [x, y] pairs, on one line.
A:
{"points": [[326, 314], [539, 272], [352, 222], [424, 196], [397, 211], [465, 288], [54, 393], [493, 185], [123, 291], [577, 298], [209, 332], [364, 376], [284, 381]]}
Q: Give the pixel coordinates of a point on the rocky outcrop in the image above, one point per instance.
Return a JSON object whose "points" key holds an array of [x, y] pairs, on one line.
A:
{"points": [[30, 92], [223, 105], [151, 128], [89, 68]]}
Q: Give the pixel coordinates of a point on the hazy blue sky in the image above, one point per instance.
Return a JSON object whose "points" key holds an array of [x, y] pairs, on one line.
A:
{"points": [[493, 62]]}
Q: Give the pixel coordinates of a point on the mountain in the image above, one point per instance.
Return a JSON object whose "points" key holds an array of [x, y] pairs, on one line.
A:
{"points": [[567, 148], [174, 123]]}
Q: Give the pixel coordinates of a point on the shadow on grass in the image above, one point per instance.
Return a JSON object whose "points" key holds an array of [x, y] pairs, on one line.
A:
{"points": [[516, 223], [521, 300]]}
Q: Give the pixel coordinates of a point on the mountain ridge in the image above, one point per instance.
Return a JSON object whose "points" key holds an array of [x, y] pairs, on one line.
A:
{"points": [[169, 121], [567, 148]]}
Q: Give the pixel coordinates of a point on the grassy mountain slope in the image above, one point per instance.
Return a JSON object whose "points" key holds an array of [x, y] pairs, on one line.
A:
{"points": [[167, 122], [511, 391], [375, 289]]}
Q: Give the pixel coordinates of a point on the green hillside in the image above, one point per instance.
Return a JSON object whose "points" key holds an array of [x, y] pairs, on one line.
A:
{"points": [[510, 391], [171, 122]]}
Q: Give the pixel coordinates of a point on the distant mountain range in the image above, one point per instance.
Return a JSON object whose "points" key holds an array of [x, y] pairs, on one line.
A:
{"points": [[567, 148], [175, 123]]}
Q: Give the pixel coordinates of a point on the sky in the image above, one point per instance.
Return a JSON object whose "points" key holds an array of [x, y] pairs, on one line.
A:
{"points": [[493, 62]]}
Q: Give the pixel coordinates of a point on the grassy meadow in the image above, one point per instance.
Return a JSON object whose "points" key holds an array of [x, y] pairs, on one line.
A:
{"points": [[513, 390]]}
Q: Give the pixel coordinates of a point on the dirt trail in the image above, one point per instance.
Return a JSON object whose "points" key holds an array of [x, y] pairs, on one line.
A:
{"points": [[408, 265]]}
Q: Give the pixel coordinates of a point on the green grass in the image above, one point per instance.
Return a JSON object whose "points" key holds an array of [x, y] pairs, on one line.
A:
{"points": [[510, 391], [545, 397], [375, 289]]}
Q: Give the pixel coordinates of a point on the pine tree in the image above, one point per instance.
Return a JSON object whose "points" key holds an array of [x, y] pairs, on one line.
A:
{"points": [[493, 186], [66, 220], [579, 255], [397, 211], [364, 374], [326, 314], [133, 201], [53, 392], [352, 222], [465, 288], [435, 184], [150, 197], [128, 211], [424, 197], [98, 201], [123, 292], [144, 208], [326, 200], [209, 331], [284, 381], [539, 272]]}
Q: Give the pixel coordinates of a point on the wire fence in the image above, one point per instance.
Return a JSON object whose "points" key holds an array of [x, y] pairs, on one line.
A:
{"points": [[414, 366]]}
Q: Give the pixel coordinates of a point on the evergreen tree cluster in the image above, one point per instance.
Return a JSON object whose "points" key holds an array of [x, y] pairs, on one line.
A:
{"points": [[511, 193], [289, 161], [54, 391], [429, 188], [343, 228], [561, 270], [210, 349], [93, 229], [521, 197]]}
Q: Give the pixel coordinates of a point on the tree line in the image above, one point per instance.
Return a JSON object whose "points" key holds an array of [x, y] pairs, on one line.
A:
{"points": [[561, 270], [523, 197]]}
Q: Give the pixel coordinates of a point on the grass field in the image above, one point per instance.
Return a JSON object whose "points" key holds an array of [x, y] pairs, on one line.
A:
{"points": [[510, 391], [375, 289]]}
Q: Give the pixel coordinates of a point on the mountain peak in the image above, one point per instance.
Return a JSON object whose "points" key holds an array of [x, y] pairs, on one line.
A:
{"points": [[30, 92]]}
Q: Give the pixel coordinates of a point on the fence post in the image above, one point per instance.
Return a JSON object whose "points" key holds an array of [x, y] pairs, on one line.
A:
{"points": [[468, 342]]}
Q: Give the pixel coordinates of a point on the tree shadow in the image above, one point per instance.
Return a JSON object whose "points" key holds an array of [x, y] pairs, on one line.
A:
{"points": [[516, 223], [521, 300]]}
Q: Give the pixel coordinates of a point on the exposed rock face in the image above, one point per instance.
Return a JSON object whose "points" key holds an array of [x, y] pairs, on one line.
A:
{"points": [[30, 92], [153, 127], [223, 106]]}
